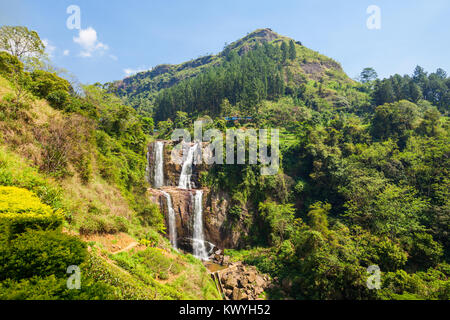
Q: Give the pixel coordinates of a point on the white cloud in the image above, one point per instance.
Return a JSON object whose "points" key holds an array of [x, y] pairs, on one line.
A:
{"points": [[131, 71], [113, 57], [49, 49], [87, 39], [66, 52]]}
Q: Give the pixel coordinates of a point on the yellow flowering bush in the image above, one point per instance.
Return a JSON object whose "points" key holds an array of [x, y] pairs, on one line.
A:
{"points": [[21, 209]]}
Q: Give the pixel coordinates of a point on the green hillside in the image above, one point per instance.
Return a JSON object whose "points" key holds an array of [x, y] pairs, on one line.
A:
{"points": [[302, 72]]}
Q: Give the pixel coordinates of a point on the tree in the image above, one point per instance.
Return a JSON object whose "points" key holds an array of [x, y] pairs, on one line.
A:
{"points": [[12, 68], [415, 94], [368, 74], [441, 73], [393, 120], [419, 75], [292, 51], [20, 42], [383, 92], [318, 216], [284, 51], [279, 218]]}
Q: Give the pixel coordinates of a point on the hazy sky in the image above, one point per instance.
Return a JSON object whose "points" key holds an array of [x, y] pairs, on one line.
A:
{"points": [[121, 37]]}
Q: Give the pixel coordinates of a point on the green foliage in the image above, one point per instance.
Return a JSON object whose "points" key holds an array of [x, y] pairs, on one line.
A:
{"points": [[29, 255], [318, 217], [53, 288], [433, 87], [278, 218], [245, 80], [394, 120], [20, 210], [292, 50], [9, 64], [44, 83], [367, 75], [20, 41]]}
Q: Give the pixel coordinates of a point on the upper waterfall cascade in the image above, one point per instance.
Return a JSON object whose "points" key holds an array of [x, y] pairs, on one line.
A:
{"points": [[186, 170], [159, 164]]}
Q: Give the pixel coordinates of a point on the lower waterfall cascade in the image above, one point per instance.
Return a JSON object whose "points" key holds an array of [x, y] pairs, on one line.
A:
{"points": [[198, 239], [172, 221]]}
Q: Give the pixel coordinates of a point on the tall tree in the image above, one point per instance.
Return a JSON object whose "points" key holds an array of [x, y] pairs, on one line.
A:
{"points": [[368, 74], [284, 51], [20, 41], [383, 92], [292, 51]]}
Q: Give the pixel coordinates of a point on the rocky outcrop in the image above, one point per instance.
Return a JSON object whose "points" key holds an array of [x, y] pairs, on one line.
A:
{"points": [[217, 228], [243, 282]]}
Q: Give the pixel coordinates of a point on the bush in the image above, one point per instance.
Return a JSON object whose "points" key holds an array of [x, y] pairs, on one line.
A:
{"points": [[53, 288], [95, 224], [21, 209], [40, 253], [44, 83], [58, 99], [9, 64]]}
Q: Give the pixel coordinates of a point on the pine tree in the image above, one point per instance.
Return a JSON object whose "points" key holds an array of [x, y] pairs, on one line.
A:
{"points": [[292, 51], [284, 51]]}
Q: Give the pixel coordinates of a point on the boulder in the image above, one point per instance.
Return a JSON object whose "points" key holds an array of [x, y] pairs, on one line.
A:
{"points": [[231, 282], [236, 294], [237, 284], [226, 260]]}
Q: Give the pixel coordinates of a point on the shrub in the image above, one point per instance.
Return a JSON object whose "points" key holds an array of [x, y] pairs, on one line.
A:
{"points": [[58, 99], [40, 253], [21, 209], [14, 171], [9, 64], [53, 288], [111, 224], [44, 83]]}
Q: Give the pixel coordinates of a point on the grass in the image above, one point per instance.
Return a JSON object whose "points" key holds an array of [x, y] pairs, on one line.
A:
{"points": [[178, 276]]}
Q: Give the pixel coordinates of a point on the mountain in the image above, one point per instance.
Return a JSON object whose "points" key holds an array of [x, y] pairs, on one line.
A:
{"points": [[307, 68]]}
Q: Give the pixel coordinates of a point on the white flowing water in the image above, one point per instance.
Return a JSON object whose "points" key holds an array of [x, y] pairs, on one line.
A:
{"points": [[159, 164], [172, 221], [198, 239], [186, 170]]}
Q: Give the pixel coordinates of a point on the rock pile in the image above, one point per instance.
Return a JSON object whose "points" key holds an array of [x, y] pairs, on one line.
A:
{"points": [[242, 282]]}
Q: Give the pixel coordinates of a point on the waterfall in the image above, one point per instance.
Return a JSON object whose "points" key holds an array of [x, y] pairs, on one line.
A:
{"points": [[186, 170], [198, 241], [172, 222], [159, 164]]}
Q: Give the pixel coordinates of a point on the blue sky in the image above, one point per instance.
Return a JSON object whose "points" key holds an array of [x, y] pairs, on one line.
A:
{"points": [[119, 37]]}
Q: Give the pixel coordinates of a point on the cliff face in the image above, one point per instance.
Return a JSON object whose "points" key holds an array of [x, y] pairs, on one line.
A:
{"points": [[217, 227]]}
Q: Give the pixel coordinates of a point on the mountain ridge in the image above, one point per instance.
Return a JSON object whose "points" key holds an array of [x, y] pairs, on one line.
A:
{"points": [[139, 90]]}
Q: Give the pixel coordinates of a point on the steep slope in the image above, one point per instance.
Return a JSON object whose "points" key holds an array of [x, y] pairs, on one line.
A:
{"points": [[81, 158]]}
